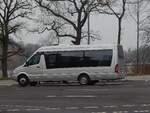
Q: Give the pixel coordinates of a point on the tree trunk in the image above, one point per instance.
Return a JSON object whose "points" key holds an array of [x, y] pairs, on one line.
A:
{"points": [[78, 38], [119, 31], [4, 59], [5, 51]]}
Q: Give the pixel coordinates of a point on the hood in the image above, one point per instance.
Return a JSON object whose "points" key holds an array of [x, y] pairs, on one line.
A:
{"points": [[18, 69]]}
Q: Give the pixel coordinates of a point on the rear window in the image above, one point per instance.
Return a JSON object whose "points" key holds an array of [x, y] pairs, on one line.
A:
{"points": [[98, 58], [120, 52]]}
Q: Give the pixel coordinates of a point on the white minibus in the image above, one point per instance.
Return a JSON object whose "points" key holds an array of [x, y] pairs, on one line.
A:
{"points": [[86, 64]]}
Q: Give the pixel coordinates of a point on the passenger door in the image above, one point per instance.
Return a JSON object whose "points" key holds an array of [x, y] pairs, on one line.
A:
{"points": [[34, 67], [50, 71]]}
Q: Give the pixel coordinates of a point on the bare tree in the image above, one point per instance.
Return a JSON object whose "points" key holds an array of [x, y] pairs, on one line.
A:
{"points": [[146, 33], [117, 8], [145, 54], [144, 58], [119, 14], [137, 10], [71, 14], [10, 13]]}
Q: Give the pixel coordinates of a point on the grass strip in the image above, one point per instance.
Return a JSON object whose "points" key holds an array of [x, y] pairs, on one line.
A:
{"points": [[4, 78]]}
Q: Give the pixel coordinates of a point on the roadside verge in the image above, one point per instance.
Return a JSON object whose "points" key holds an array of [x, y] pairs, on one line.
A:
{"points": [[7, 82]]}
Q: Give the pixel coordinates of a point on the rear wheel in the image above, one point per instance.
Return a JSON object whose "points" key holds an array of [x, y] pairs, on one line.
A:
{"points": [[23, 80], [84, 79]]}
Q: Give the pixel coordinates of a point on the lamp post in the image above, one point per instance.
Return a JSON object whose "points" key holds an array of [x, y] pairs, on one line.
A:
{"points": [[138, 22], [88, 22]]}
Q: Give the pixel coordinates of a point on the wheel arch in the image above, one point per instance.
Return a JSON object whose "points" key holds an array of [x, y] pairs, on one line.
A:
{"points": [[21, 74], [83, 73]]}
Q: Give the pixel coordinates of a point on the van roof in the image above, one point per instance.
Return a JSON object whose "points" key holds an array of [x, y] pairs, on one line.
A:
{"points": [[74, 47]]}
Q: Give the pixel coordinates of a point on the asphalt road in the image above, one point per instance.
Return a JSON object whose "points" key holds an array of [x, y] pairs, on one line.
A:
{"points": [[119, 97]]}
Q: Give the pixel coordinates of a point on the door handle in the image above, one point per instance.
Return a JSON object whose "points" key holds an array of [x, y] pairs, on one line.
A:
{"points": [[37, 66]]}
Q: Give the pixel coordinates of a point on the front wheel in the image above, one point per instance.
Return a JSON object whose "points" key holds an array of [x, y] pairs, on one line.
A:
{"points": [[84, 80], [23, 80]]}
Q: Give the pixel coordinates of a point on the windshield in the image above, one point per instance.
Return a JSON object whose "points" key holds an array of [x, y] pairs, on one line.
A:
{"points": [[35, 59]]}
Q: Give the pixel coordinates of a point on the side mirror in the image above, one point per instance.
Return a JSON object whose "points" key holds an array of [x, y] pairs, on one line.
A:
{"points": [[26, 64]]}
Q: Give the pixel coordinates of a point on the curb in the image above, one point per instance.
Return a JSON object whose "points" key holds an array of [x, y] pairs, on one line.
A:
{"points": [[139, 78], [7, 82], [145, 78]]}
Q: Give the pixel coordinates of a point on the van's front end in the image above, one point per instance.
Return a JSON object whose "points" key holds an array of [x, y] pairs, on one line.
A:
{"points": [[17, 71], [31, 71]]}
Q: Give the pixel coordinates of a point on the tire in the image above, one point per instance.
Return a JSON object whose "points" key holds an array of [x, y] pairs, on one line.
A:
{"points": [[33, 83], [84, 79], [23, 80]]}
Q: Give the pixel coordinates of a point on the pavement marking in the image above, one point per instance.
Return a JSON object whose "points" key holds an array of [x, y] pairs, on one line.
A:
{"points": [[147, 111], [33, 109], [12, 110], [120, 112], [111, 106], [57, 108], [71, 96], [80, 96], [4, 105], [51, 96], [145, 105], [70, 108], [91, 107], [18, 106], [141, 111], [100, 112], [129, 105]]}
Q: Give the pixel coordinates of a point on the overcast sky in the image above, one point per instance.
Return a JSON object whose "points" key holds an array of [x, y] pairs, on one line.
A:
{"points": [[107, 26]]}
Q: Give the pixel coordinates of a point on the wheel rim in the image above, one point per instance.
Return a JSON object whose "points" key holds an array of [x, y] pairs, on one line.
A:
{"points": [[22, 80], [83, 80]]}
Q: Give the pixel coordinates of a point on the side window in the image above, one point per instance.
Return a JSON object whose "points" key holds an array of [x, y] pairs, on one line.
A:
{"points": [[70, 59], [50, 59], [107, 58], [35, 59], [91, 58], [98, 58]]}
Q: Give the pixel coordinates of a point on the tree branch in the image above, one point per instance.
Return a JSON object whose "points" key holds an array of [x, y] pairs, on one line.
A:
{"points": [[112, 10], [56, 14]]}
